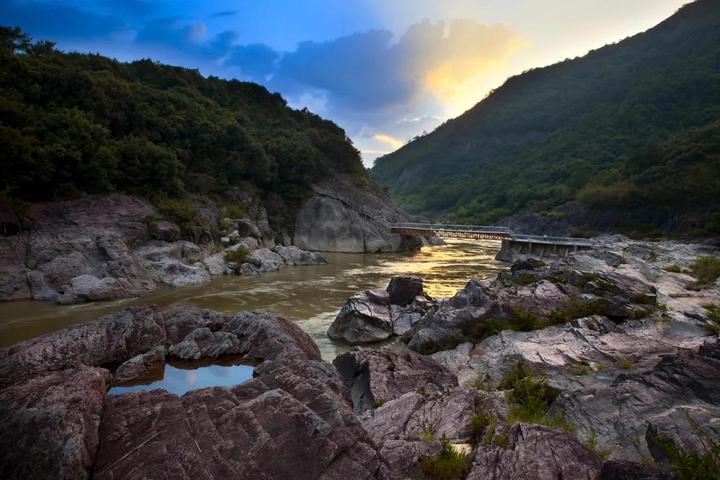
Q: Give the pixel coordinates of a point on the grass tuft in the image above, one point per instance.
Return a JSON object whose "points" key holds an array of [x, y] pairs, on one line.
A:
{"points": [[449, 465]]}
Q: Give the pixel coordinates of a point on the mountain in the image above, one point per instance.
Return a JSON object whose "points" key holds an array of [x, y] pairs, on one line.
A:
{"points": [[631, 129], [76, 124]]}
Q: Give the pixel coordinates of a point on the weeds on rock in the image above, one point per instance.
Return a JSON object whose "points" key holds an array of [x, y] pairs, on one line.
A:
{"points": [[479, 383], [517, 372], [449, 465], [691, 465], [574, 309], [706, 270], [592, 444], [625, 363], [376, 403], [426, 433], [713, 321]]}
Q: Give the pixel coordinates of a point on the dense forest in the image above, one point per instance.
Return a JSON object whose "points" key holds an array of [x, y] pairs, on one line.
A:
{"points": [[630, 126], [74, 124]]}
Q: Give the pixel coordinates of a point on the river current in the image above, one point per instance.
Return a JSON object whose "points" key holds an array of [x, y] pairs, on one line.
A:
{"points": [[310, 295]]}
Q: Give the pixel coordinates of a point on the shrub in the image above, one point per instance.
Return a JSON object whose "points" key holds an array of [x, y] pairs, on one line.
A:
{"points": [[233, 210], [673, 268], [525, 279], [479, 382], [376, 403], [580, 369], [489, 434], [713, 323], [180, 212], [238, 256], [531, 399], [518, 371], [575, 308], [449, 465], [581, 234], [479, 424], [706, 270], [524, 320]]}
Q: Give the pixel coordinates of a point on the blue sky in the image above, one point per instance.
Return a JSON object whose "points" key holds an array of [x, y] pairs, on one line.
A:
{"points": [[384, 70]]}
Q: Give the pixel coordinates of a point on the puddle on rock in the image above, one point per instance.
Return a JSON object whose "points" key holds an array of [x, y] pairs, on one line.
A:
{"points": [[181, 377]]}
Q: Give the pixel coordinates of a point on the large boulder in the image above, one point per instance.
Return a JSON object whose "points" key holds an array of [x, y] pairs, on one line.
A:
{"points": [[364, 318], [533, 452], [374, 376], [295, 256], [404, 289], [342, 216]]}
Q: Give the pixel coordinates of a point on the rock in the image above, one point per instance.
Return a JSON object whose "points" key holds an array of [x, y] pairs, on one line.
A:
{"points": [[164, 231], [624, 412], [624, 470], [533, 452], [403, 319], [265, 260], [342, 216], [249, 270], [204, 343], [50, 424], [475, 294], [404, 289], [215, 264], [176, 273], [430, 340], [295, 256], [381, 375], [89, 288], [141, 365], [291, 421], [246, 228], [362, 320]]}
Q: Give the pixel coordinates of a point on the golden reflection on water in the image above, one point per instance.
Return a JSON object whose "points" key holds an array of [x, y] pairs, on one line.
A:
{"points": [[310, 295]]}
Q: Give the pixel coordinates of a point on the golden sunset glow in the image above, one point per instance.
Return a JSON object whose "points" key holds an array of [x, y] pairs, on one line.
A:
{"points": [[389, 140]]}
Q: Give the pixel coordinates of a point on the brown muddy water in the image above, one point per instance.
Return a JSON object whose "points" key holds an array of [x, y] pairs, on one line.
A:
{"points": [[310, 295]]}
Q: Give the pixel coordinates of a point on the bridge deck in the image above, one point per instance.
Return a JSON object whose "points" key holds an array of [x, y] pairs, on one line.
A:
{"points": [[484, 231]]}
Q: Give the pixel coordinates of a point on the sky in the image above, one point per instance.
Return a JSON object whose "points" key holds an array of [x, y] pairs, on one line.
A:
{"points": [[384, 70]]}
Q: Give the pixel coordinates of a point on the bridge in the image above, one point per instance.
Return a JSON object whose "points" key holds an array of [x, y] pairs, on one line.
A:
{"points": [[512, 243]]}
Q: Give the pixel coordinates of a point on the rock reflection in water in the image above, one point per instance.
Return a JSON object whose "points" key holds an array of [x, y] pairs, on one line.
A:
{"points": [[181, 377]]}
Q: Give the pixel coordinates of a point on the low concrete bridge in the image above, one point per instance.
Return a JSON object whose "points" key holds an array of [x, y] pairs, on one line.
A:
{"points": [[512, 243]]}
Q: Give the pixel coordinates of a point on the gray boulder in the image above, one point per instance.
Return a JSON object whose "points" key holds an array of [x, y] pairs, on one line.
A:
{"points": [[362, 319], [295, 256], [404, 289]]}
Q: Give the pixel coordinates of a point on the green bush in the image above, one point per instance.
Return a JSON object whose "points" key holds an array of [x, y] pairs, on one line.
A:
{"points": [[575, 308], [233, 210], [673, 268], [524, 320], [517, 372], [377, 403], [625, 363], [238, 256], [706, 270], [449, 465], [426, 433], [179, 211]]}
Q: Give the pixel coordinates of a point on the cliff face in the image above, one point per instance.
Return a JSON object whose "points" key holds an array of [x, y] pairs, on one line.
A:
{"points": [[342, 216]]}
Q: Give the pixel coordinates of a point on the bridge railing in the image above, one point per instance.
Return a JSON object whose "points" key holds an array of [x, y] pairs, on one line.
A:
{"points": [[453, 227], [555, 240], [496, 230]]}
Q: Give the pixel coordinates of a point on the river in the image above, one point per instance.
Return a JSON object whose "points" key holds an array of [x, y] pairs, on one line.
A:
{"points": [[310, 295]]}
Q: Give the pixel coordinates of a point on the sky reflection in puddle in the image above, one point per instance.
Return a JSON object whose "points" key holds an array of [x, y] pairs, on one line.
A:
{"points": [[181, 380]]}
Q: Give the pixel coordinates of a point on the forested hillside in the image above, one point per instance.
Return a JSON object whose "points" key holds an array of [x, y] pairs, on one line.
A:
{"points": [[72, 124], [632, 125]]}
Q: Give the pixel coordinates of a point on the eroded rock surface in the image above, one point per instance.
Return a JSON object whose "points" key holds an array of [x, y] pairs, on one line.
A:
{"points": [[375, 376], [533, 452]]}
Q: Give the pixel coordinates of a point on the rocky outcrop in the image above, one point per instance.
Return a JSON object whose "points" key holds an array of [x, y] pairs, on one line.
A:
{"points": [[342, 216], [116, 246], [533, 452], [293, 419], [376, 315], [375, 376]]}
